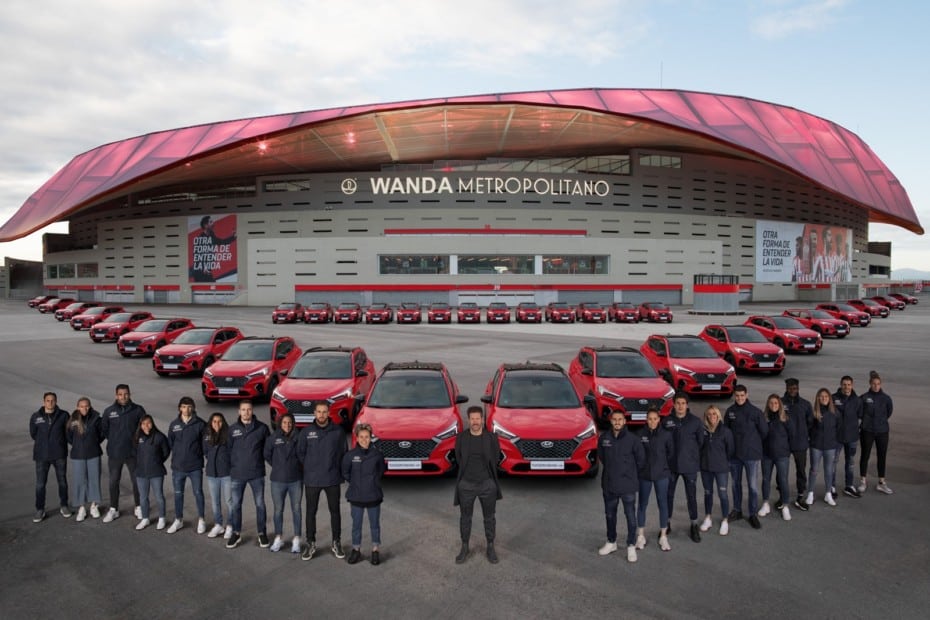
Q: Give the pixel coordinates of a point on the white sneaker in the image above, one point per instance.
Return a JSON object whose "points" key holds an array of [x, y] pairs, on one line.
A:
{"points": [[201, 526], [112, 513], [277, 544], [785, 513], [863, 485], [161, 524], [828, 498], [138, 512], [724, 527], [216, 531], [884, 488], [765, 509], [640, 538], [295, 545], [228, 533], [810, 499], [608, 548], [663, 543], [81, 515], [631, 554], [94, 511], [175, 526], [707, 524], [141, 525]]}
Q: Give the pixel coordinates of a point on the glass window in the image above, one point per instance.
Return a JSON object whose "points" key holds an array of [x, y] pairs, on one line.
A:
{"points": [[87, 270], [660, 161], [66, 270], [575, 264], [499, 264], [416, 264], [52, 271]]}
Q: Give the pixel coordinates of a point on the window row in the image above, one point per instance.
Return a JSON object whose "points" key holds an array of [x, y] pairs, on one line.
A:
{"points": [[526, 264], [70, 270]]}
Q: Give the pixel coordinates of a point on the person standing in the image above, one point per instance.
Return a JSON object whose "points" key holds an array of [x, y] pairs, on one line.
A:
{"points": [[320, 449], [749, 428], [185, 437], [688, 436], [716, 453], [119, 424], [776, 450], [823, 430], [477, 451], [50, 449], [849, 406], [247, 467], [877, 408], [286, 483], [363, 466], [152, 451], [622, 456], [799, 415], [659, 449], [217, 469], [85, 436]]}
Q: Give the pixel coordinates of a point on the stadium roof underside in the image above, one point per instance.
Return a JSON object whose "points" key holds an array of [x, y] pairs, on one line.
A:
{"points": [[544, 124]]}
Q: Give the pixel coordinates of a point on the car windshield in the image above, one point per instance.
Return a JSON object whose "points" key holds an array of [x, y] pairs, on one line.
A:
{"points": [[249, 351], [846, 308], [497, 305], [624, 306], [95, 310], [74, 306], [468, 304], [690, 348], [593, 306], [623, 367], [195, 336], [528, 306], [426, 390], [440, 306], [154, 325], [870, 302], [820, 314], [745, 334], [410, 306], [120, 317], [317, 306], [534, 391], [657, 306], [286, 306], [559, 304], [323, 366], [379, 306], [348, 306], [786, 322]]}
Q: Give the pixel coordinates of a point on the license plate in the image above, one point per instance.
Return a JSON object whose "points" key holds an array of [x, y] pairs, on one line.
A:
{"points": [[766, 364], [129, 349], [408, 318], [710, 386], [639, 416], [170, 366], [809, 346], [404, 465], [228, 391], [547, 465], [304, 419]]}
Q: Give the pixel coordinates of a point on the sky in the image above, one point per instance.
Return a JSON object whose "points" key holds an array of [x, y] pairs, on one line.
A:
{"points": [[75, 75]]}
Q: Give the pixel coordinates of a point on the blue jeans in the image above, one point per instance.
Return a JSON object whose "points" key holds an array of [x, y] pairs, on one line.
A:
{"points": [[752, 480], [281, 491], [720, 479], [61, 476], [220, 493], [258, 494], [374, 522], [177, 481], [849, 450], [829, 468], [611, 502], [157, 484], [661, 487], [690, 493], [781, 478], [85, 473]]}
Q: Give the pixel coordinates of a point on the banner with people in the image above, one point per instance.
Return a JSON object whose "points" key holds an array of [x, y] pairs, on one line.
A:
{"points": [[802, 253], [211, 248]]}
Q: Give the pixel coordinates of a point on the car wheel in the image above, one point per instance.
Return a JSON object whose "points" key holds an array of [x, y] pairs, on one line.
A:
{"points": [[210, 400], [815, 352], [841, 336], [161, 373], [125, 354]]}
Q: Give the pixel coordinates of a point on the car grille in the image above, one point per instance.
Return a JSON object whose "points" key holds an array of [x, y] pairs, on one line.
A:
{"points": [[809, 340], [229, 382], [100, 333], [641, 405], [534, 448], [131, 343], [417, 448], [297, 407], [764, 357], [717, 377], [171, 359]]}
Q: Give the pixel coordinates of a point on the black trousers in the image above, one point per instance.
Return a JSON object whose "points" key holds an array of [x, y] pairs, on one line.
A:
{"points": [[486, 493], [800, 471], [332, 501], [115, 467], [880, 440]]}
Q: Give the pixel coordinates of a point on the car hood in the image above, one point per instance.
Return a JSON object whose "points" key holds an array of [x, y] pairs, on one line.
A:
{"points": [[800, 333], [108, 325], [181, 349], [543, 423], [757, 347], [237, 369], [313, 389], [140, 335], [408, 423], [655, 387], [702, 364]]}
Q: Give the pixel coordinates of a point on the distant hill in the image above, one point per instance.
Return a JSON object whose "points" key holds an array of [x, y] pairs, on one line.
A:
{"points": [[910, 274]]}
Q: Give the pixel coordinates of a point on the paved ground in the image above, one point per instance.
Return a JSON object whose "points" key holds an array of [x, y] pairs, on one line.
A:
{"points": [[863, 559]]}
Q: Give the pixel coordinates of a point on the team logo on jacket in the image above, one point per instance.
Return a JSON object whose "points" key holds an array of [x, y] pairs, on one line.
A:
{"points": [[237, 432], [606, 443], [312, 435], [356, 459]]}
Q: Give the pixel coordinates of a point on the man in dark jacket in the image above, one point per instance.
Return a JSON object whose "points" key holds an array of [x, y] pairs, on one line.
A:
{"points": [[800, 414], [688, 436], [849, 408], [749, 428], [185, 437], [47, 428], [320, 449], [477, 451], [247, 467], [621, 455], [119, 424]]}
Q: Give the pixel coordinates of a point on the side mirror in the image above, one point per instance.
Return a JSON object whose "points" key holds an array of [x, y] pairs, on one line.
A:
{"points": [[487, 399], [361, 373], [460, 399], [587, 371], [360, 399], [284, 372]]}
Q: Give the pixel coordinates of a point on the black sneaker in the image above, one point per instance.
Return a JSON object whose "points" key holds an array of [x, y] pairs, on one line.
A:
{"points": [[65, 512], [308, 551], [337, 550], [852, 492], [263, 540], [695, 533], [735, 515], [39, 516], [754, 522], [800, 504], [492, 555], [354, 556], [233, 541], [375, 558], [779, 506], [463, 554]]}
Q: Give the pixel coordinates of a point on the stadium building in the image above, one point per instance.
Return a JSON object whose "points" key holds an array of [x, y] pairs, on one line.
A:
{"points": [[578, 195]]}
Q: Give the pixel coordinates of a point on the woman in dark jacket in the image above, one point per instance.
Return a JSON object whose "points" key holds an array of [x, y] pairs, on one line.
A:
{"points": [[776, 452], [85, 436], [216, 453], [655, 473], [286, 480], [823, 430], [362, 467], [877, 407], [151, 453], [716, 452]]}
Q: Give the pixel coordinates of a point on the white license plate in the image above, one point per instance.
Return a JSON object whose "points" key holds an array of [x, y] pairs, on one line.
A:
{"points": [[710, 386], [639, 416], [129, 349], [304, 419], [766, 364], [404, 465], [408, 318], [809, 346], [170, 366], [228, 390], [547, 465]]}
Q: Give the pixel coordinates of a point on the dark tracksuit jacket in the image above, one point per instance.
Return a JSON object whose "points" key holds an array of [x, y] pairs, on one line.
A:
{"points": [[363, 469], [717, 450], [491, 450], [48, 434], [246, 449], [659, 449], [87, 445], [688, 437], [824, 431], [186, 443], [217, 458], [152, 451], [320, 451], [800, 412], [747, 422], [876, 409], [119, 425], [777, 443], [849, 409], [281, 455], [621, 459]]}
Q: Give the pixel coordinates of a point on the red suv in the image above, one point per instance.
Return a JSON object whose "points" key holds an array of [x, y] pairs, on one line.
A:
{"points": [[92, 316], [820, 321], [908, 299], [409, 312], [528, 312], [497, 312], [250, 368], [379, 313], [118, 324], [72, 310], [560, 312], [439, 313], [53, 304], [786, 332], [318, 312], [655, 312], [620, 379], [347, 312], [591, 312], [338, 375], [689, 364], [287, 312], [744, 348], [194, 350], [468, 312], [35, 301], [623, 312], [543, 425], [889, 301], [413, 413], [151, 335], [851, 315], [869, 305]]}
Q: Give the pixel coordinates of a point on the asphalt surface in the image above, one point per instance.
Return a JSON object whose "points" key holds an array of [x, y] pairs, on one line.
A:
{"points": [[865, 558]]}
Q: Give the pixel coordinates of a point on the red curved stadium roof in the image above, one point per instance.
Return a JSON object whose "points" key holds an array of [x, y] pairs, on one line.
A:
{"points": [[545, 123]]}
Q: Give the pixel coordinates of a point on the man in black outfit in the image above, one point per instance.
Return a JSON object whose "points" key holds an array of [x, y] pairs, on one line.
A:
{"points": [[477, 451]]}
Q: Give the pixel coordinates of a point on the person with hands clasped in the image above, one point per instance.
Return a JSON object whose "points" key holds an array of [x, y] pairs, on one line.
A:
{"points": [[152, 451], [363, 466], [286, 480], [655, 473], [621, 455], [85, 436]]}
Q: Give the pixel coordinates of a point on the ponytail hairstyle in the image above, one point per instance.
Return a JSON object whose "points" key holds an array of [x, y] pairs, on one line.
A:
{"points": [[217, 438], [873, 375], [782, 414], [77, 420], [818, 413]]}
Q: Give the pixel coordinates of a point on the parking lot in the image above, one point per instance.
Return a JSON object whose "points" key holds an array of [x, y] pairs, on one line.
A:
{"points": [[865, 558]]}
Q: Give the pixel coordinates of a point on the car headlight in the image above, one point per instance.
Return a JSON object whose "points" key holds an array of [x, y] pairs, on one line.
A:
{"points": [[731, 370], [208, 373], [608, 394], [503, 432], [781, 351], [683, 370], [669, 395], [261, 372], [742, 351], [792, 336], [196, 353], [152, 337], [276, 395], [347, 393], [587, 432], [449, 432]]}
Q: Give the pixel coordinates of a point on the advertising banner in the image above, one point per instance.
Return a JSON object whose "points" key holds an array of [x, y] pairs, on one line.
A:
{"points": [[790, 252], [211, 248]]}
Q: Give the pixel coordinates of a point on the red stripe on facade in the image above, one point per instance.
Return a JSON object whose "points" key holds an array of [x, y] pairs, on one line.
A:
{"points": [[163, 287], [486, 287], [716, 288], [815, 285], [573, 232], [213, 287], [91, 287]]}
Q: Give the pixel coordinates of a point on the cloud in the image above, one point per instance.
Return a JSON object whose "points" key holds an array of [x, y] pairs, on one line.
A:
{"points": [[804, 17]]}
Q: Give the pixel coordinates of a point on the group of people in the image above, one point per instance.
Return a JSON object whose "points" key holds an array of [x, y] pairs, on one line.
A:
{"points": [[742, 439], [316, 460]]}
